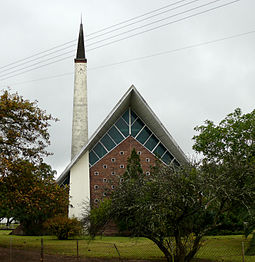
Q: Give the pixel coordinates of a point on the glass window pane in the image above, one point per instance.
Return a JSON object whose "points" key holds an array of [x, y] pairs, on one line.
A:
{"points": [[133, 117], [92, 158], [167, 158], [144, 135], [151, 143], [159, 150], [122, 126], [67, 180], [99, 150], [107, 142], [126, 116], [115, 135], [136, 127]]}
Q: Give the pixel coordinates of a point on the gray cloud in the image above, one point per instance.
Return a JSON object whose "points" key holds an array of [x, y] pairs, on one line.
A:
{"points": [[183, 88]]}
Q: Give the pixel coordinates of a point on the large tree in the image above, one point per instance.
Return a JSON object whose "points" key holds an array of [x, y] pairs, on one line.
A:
{"points": [[176, 206], [28, 192], [228, 149]]}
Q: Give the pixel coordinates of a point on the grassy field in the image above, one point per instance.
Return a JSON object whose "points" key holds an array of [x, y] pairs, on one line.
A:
{"points": [[221, 248]]}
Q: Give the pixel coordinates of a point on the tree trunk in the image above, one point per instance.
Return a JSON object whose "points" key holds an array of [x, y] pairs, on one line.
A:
{"points": [[194, 249], [164, 249]]}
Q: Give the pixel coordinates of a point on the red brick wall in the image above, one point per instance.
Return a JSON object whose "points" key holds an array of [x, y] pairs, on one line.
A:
{"points": [[105, 186]]}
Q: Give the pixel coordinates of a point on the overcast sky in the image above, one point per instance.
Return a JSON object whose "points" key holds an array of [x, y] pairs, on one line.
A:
{"points": [[183, 88]]}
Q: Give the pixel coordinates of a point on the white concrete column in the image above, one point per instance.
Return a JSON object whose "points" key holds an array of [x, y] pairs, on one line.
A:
{"points": [[80, 109], [79, 186]]}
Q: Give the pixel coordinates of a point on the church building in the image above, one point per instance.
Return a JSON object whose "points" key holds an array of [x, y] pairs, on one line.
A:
{"points": [[98, 163]]}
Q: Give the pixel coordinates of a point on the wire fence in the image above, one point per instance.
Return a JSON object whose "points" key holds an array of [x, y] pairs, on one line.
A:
{"points": [[48, 249]]}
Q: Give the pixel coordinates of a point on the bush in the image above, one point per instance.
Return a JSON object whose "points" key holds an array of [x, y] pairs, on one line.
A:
{"points": [[63, 227]]}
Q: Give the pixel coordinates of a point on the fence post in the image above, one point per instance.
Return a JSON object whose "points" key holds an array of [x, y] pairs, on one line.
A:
{"points": [[11, 249], [117, 251], [243, 250], [41, 250], [77, 248]]}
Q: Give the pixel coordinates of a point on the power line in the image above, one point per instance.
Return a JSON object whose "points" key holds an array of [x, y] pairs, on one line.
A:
{"points": [[175, 50], [28, 60], [172, 22], [118, 40], [106, 28], [43, 61], [166, 18], [31, 60], [1, 71], [146, 18], [38, 54], [136, 17], [148, 56], [36, 68]]}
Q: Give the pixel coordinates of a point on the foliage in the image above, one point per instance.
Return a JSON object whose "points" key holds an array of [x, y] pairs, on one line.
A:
{"points": [[229, 152], [251, 248], [28, 192], [96, 218], [134, 169], [30, 195], [23, 131], [63, 227], [176, 206], [233, 140]]}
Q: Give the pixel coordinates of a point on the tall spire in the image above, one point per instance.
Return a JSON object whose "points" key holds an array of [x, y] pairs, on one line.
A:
{"points": [[80, 54], [80, 105]]}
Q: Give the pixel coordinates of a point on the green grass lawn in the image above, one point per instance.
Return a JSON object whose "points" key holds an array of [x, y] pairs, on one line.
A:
{"points": [[221, 248]]}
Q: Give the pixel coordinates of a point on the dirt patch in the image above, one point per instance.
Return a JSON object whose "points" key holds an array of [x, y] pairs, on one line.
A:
{"points": [[18, 255]]}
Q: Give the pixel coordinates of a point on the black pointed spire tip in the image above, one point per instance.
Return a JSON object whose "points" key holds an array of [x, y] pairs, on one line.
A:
{"points": [[80, 55]]}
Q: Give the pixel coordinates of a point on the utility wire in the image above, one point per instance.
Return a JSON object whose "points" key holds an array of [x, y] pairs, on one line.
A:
{"points": [[184, 18], [148, 56], [166, 18], [105, 39], [154, 28], [136, 17], [1, 71], [146, 18], [101, 30], [43, 61], [38, 54], [28, 60]]}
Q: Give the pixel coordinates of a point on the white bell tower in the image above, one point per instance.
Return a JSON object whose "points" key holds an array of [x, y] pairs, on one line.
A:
{"points": [[79, 173]]}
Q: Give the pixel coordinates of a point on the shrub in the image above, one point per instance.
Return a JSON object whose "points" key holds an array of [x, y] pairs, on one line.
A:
{"points": [[63, 227]]}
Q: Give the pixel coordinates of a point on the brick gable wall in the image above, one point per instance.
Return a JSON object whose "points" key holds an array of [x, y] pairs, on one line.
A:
{"points": [[102, 179]]}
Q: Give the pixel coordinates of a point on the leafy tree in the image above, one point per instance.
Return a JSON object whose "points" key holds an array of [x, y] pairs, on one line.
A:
{"points": [[176, 206], [63, 227], [228, 150], [23, 130], [28, 191], [134, 168]]}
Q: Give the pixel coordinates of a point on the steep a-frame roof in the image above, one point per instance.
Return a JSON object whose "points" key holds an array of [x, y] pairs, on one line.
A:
{"points": [[133, 99]]}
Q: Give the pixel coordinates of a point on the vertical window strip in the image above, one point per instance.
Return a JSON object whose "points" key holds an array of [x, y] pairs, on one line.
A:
{"points": [[134, 121], [103, 147], [140, 131], [119, 130], [156, 145], [111, 139], [129, 124], [123, 120], [164, 153], [148, 138], [96, 154]]}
